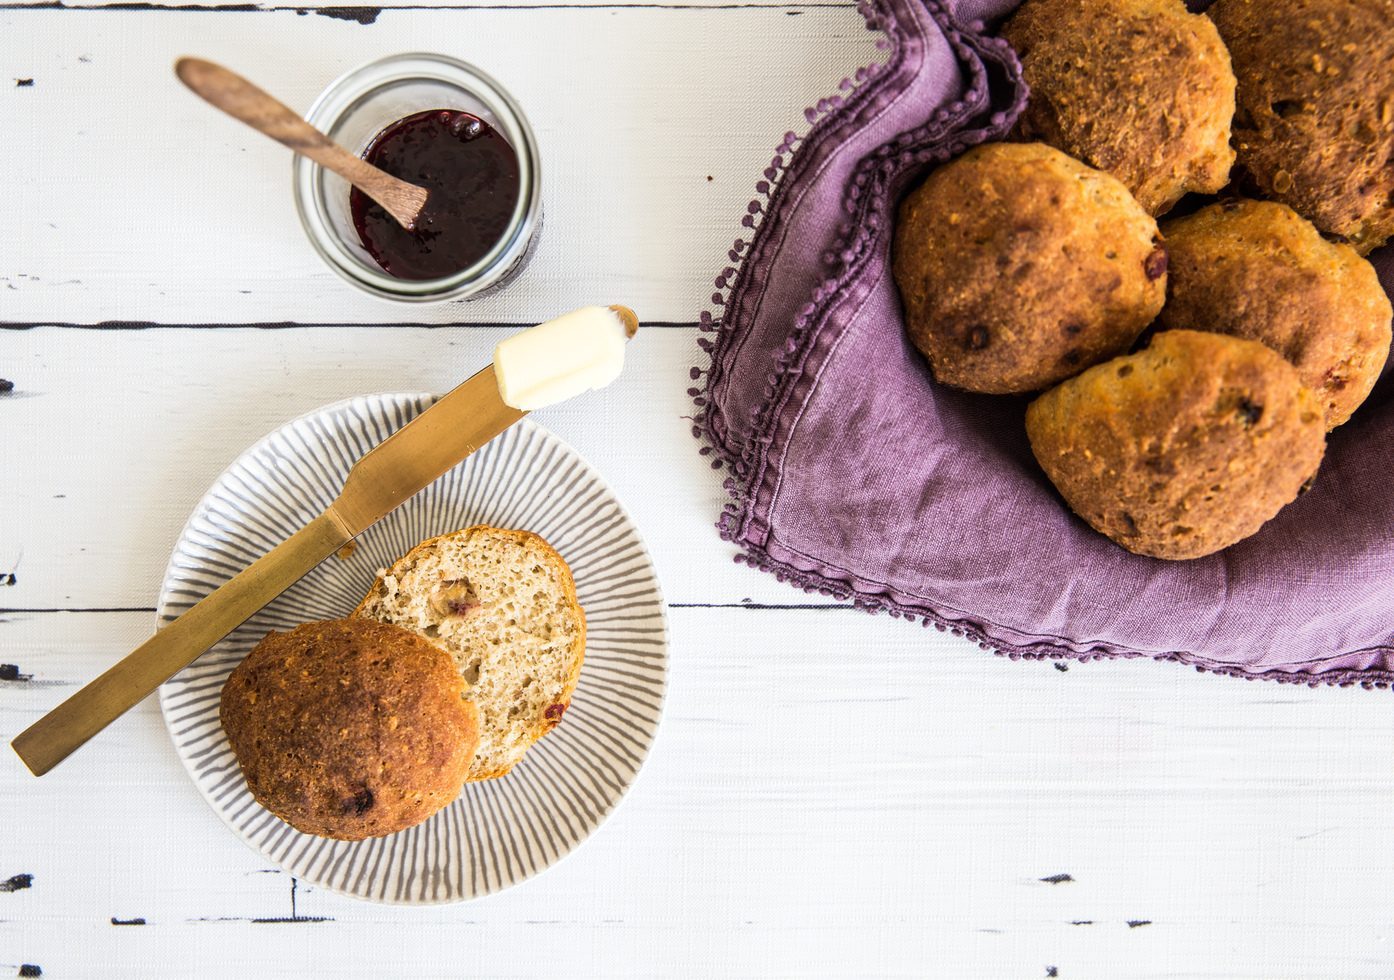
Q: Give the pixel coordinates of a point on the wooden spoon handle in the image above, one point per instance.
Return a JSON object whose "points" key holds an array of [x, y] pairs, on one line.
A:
{"points": [[242, 100]]}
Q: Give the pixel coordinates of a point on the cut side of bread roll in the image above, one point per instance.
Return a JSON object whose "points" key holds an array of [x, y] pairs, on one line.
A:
{"points": [[503, 604]]}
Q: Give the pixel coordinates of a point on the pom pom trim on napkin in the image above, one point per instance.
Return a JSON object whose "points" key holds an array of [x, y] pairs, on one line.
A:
{"points": [[986, 110]]}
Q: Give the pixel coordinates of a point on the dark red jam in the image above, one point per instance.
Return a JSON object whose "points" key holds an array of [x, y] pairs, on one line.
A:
{"points": [[472, 175]]}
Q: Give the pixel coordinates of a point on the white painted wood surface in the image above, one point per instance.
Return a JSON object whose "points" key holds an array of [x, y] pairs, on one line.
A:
{"points": [[831, 794], [654, 125]]}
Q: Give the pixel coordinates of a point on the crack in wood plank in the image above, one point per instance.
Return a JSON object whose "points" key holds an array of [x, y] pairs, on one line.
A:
{"points": [[43, 610], [359, 15], [10, 674], [760, 605], [21, 325], [256, 8], [794, 606]]}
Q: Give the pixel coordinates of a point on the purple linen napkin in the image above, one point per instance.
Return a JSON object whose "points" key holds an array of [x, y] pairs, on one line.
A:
{"points": [[854, 475]]}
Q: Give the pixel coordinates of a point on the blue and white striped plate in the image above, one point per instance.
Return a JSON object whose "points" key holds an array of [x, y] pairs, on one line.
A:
{"points": [[498, 832]]}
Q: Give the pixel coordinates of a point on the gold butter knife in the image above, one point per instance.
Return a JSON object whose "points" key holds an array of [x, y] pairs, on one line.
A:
{"points": [[580, 351]]}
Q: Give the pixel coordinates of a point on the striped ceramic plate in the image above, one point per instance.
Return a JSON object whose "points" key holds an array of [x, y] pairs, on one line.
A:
{"points": [[498, 832]]}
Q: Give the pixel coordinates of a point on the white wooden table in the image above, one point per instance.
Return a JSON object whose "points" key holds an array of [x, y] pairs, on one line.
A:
{"points": [[831, 793]]}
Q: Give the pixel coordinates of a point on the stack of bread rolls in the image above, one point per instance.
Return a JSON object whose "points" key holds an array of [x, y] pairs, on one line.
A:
{"points": [[1037, 265]]}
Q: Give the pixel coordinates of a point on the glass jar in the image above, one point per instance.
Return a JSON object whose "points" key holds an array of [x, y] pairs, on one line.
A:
{"points": [[364, 102]]}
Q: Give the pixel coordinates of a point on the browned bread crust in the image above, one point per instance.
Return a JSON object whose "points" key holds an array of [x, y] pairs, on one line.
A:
{"points": [[1141, 89], [1314, 126], [1019, 267], [1258, 270], [350, 728], [1181, 449]]}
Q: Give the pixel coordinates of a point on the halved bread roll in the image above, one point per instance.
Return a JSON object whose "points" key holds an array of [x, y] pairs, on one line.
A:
{"points": [[503, 604]]}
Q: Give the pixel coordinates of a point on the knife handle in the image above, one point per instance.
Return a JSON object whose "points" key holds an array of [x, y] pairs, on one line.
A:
{"points": [[63, 730]]}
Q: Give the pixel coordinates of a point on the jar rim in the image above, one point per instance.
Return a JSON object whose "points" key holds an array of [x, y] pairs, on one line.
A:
{"points": [[340, 98]]}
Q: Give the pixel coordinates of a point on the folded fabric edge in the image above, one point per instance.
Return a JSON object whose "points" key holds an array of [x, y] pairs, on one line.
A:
{"points": [[709, 426], [708, 422], [981, 632]]}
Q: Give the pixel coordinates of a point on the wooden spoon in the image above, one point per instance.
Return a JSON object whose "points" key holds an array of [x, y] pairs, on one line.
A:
{"points": [[242, 100]]}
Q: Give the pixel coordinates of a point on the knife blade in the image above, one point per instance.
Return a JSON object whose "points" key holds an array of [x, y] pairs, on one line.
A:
{"points": [[397, 468]]}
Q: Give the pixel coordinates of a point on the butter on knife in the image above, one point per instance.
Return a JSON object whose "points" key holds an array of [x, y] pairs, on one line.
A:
{"points": [[541, 366], [562, 358]]}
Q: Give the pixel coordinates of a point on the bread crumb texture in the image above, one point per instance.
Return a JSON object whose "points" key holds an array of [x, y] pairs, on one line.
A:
{"points": [[503, 604]]}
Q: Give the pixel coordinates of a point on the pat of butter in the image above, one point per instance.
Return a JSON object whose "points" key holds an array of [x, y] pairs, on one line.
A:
{"points": [[562, 358]]}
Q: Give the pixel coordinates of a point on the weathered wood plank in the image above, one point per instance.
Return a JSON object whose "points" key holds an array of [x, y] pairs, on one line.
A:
{"points": [[116, 436], [823, 799], [831, 793], [368, 14], [654, 126]]}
